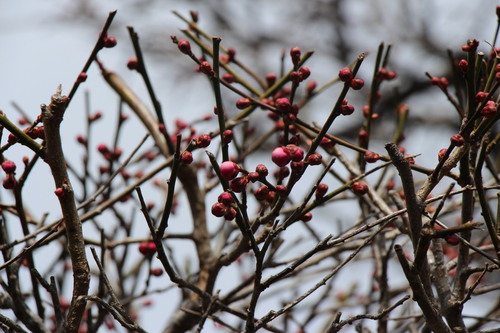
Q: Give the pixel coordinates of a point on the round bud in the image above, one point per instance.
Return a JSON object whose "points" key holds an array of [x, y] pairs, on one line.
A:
{"points": [[229, 170], [280, 156]]}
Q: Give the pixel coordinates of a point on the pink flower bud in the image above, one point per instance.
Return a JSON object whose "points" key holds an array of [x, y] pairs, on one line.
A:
{"points": [[371, 157], [225, 198], [295, 54], [452, 239], [227, 136], [110, 42], [304, 73], [147, 248], [457, 140], [82, 77], [270, 79], [156, 271], [280, 156], [8, 166], [359, 188], [133, 64], [345, 74], [184, 46], [218, 209], [59, 192], [243, 103], [295, 152], [314, 159], [489, 110], [463, 65], [261, 169], [239, 184], [311, 86], [306, 217], [346, 110], [229, 170], [282, 173], [9, 182], [357, 84], [363, 136], [228, 77], [253, 176], [441, 154], [481, 96], [186, 157], [297, 167], [261, 193], [283, 105], [206, 68], [321, 190], [230, 214], [281, 190], [203, 141], [326, 142], [295, 77]]}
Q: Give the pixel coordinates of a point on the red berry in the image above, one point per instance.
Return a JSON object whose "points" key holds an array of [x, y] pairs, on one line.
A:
{"points": [[321, 190], [371, 157], [110, 42], [280, 156], [218, 209], [203, 141], [133, 64], [82, 77], [314, 159], [357, 84], [345, 74], [184, 46], [186, 157], [359, 188], [229, 170], [243, 103], [59, 192], [9, 166]]}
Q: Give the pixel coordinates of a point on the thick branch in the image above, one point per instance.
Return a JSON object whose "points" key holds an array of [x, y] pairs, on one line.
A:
{"points": [[52, 118]]}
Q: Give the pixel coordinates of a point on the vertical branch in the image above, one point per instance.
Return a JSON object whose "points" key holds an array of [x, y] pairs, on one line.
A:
{"points": [[52, 118]]}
